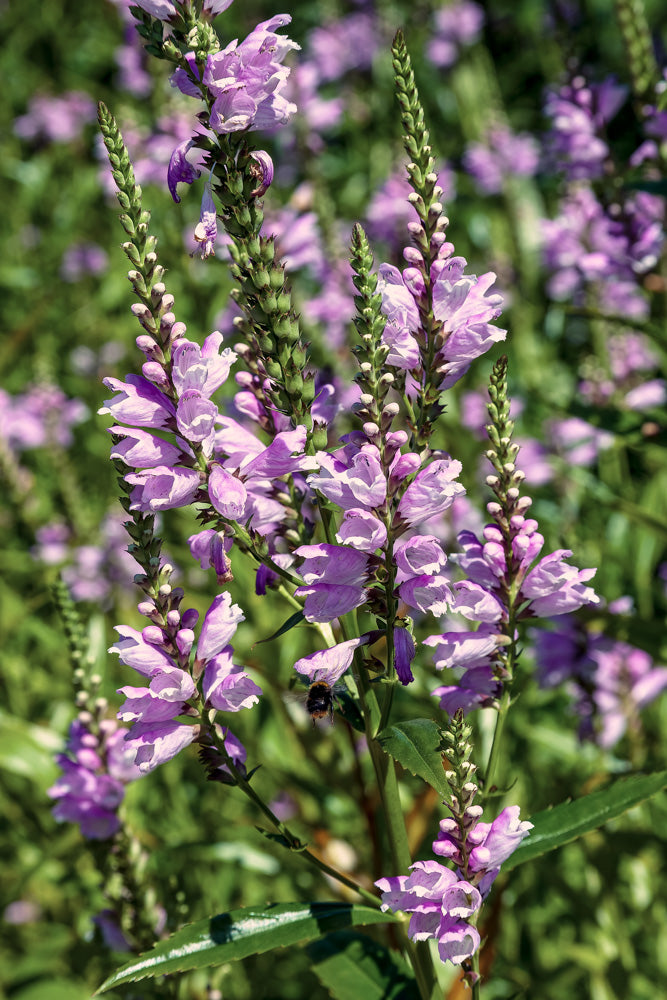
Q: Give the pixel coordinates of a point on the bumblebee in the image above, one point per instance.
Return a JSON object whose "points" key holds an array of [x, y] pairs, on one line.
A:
{"points": [[320, 701]]}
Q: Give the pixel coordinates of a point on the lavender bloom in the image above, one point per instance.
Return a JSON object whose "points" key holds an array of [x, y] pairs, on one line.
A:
{"points": [[327, 666], [579, 112], [164, 656], [96, 768], [578, 441], [206, 230], [584, 247], [502, 154], [40, 417], [462, 304], [610, 681], [457, 25], [389, 211], [245, 80], [180, 169], [431, 492], [334, 577], [404, 654], [548, 586], [349, 43], [439, 902], [163, 10], [362, 484], [56, 119], [81, 259]]}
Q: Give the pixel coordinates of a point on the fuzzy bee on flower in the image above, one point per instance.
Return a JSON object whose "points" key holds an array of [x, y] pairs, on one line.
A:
{"points": [[323, 670]]}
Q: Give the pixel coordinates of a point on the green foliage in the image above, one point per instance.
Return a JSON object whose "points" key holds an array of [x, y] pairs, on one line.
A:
{"points": [[251, 931]]}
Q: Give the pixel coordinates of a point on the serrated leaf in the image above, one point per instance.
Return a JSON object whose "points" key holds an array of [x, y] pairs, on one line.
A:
{"points": [[285, 627], [354, 967], [415, 745], [569, 820], [240, 933]]}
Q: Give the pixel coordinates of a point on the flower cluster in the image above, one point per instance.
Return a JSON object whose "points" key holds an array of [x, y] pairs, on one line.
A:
{"points": [[443, 904], [96, 766], [463, 307], [609, 680], [168, 655], [501, 154], [506, 580]]}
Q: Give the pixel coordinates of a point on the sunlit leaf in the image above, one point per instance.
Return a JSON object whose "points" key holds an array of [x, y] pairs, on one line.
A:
{"points": [[569, 820], [240, 933], [415, 745]]}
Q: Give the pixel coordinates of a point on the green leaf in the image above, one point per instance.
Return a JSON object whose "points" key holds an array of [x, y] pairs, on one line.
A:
{"points": [[416, 747], [240, 933], [569, 820], [354, 967], [285, 627]]}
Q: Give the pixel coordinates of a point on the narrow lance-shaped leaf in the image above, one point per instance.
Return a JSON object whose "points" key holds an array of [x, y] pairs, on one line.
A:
{"points": [[240, 933], [565, 822]]}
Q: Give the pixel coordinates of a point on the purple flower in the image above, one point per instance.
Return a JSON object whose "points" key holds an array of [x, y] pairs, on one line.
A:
{"points": [[439, 903], [138, 403], [264, 173], [334, 575], [418, 555], [141, 449], [361, 484], [206, 230], [163, 10], [226, 686], [81, 259], [245, 80], [501, 155], [95, 770], [610, 680], [580, 111], [553, 587], [163, 488], [431, 492], [227, 493], [218, 627], [362, 530], [495, 842], [404, 654], [180, 170], [328, 665], [457, 25], [156, 743], [56, 119]]}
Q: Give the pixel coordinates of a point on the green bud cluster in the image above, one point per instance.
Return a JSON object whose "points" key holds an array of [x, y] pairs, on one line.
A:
{"points": [[638, 44], [506, 482], [371, 354], [459, 769], [265, 295], [427, 237], [128, 889], [74, 629], [416, 140], [145, 274]]}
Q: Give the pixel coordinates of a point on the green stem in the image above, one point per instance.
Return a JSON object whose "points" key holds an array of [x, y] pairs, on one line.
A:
{"points": [[293, 841], [494, 755]]}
